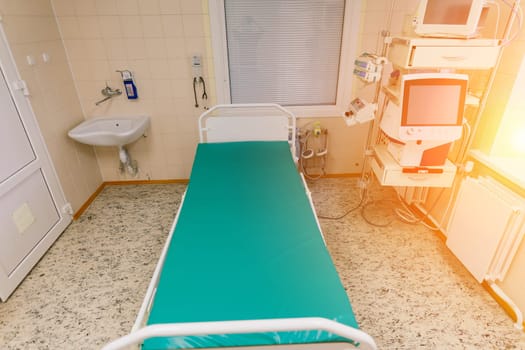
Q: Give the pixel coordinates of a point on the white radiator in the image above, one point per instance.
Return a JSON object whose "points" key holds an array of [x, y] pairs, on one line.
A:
{"points": [[486, 227]]}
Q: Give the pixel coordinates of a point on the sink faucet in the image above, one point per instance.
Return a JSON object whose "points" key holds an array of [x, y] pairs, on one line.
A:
{"points": [[109, 93]]}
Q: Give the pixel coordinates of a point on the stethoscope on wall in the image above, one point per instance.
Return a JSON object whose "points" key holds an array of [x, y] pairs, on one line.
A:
{"points": [[198, 80]]}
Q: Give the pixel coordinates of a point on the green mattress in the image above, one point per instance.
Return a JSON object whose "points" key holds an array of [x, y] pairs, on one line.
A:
{"points": [[246, 246]]}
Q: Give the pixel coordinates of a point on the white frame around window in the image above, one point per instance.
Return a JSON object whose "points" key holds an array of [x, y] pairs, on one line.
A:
{"points": [[348, 53]]}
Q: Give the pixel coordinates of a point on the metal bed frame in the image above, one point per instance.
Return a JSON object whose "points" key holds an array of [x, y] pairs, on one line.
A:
{"points": [[228, 123]]}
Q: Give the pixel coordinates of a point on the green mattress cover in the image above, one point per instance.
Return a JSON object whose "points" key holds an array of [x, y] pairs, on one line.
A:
{"points": [[246, 246]]}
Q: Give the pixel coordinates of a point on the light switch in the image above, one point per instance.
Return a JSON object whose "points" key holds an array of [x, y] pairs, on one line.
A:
{"points": [[30, 60], [45, 57]]}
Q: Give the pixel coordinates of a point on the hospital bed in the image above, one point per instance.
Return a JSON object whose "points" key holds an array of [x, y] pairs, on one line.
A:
{"points": [[245, 265]]}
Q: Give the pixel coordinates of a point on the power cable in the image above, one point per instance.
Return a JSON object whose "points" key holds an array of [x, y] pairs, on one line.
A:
{"points": [[363, 197]]}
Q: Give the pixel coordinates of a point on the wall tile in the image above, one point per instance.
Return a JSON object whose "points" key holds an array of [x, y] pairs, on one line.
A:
{"points": [[21, 51], [127, 7], [115, 49], [74, 49], [166, 109], [191, 7], [159, 69], [64, 7], [140, 68], [172, 25], [149, 7], [170, 7], [114, 66], [145, 88], [193, 26], [27, 29], [179, 68], [375, 22], [110, 27], [407, 6], [85, 7], [376, 6], [195, 46], [131, 26], [80, 69], [106, 7], [26, 8], [152, 27], [90, 89], [88, 27], [175, 47], [99, 69], [94, 49], [136, 48], [162, 89], [183, 89], [156, 48], [69, 27]]}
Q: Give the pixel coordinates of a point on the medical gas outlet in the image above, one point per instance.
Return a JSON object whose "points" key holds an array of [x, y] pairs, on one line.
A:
{"points": [[359, 112]]}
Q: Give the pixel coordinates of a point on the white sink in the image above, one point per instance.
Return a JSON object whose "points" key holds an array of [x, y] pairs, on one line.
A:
{"points": [[114, 131]]}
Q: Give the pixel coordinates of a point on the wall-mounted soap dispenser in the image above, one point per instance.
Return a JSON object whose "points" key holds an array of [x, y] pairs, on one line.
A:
{"points": [[129, 84]]}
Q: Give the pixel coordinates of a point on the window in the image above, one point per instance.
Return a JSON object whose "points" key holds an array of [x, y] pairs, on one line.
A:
{"points": [[510, 137], [295, 53], [501, 141]]}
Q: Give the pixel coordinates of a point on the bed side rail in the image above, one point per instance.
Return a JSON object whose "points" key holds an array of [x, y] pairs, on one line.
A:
{"points": [[312, 206], [355, 336], [152, 287]]}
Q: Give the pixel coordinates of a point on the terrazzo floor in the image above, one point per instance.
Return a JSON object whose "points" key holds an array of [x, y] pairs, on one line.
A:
{"points": [[408, 291]]}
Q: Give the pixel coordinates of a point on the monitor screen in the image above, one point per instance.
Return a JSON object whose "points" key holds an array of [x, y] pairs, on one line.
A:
{"points": [[433, 102], [447, 11], [430, 107], [450, 18]]}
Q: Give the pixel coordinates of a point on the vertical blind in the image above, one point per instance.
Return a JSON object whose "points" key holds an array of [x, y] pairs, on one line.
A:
{"points": [[284, 51]]}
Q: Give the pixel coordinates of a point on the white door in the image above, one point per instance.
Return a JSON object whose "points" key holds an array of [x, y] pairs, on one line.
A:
{"points": [[32, 204]]}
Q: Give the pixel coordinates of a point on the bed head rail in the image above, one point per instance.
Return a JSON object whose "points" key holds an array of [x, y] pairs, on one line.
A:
{"points": [[247, 122]]}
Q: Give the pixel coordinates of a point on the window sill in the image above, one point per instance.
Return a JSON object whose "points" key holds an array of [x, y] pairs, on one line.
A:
{"points": [[316, 111], [511, 168]]}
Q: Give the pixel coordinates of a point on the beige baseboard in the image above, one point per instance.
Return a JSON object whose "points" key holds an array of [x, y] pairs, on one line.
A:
{"points": [[91, 198]]}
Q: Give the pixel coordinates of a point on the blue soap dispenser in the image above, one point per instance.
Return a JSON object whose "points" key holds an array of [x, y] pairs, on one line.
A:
{"points": [[129, 84]]}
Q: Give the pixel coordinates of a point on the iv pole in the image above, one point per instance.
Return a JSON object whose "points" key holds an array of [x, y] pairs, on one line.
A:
{"points": [[372, 129]]}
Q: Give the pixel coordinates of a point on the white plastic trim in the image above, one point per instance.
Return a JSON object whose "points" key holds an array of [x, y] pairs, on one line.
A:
{"points": [[248, 326]]}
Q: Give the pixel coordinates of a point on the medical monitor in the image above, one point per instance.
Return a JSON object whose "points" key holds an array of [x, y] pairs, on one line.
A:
{"points": [[430, 107], [450, 18], [427, 117]]}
